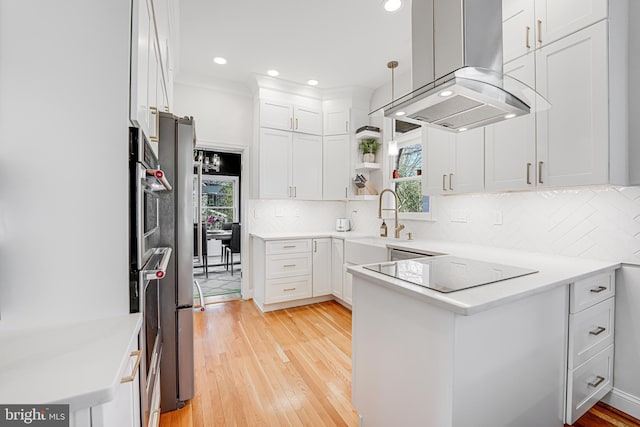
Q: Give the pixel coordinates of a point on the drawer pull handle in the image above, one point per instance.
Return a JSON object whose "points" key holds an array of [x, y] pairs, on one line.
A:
{"points": [[289, 289], [598, 331], [289, 265], [289, 246], [599, 289], [131, 377], [597, 382]]}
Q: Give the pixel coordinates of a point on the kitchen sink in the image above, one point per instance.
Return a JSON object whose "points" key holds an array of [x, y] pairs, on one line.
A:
{"points": [[366, 250]]}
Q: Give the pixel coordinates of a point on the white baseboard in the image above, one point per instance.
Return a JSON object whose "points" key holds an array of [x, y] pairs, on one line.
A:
{"points": [[627, 403]]}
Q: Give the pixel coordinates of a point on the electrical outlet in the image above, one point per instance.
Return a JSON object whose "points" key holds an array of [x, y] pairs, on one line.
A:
{"points": [[296, 212], [459, 215], [279, 212], [497, 218]]}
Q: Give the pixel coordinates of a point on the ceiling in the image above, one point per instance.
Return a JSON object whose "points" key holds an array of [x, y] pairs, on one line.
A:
{"points": [[337, 42]]}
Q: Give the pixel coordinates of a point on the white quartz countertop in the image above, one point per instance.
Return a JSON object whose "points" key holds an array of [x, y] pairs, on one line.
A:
{"points": [[553, 270], [308, 235], [79, 364]]}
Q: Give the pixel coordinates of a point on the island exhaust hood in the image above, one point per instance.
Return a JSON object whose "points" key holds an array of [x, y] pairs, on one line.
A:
{"points": [[457, 73]]}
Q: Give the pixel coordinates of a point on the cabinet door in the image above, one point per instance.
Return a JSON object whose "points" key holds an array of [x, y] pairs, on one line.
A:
{"points": [[573, 135], [347, 285], [337, 266], [468, 172], [510, 146], [276, 115], [124, 409], [154, 84], [275, 164], [335, 167], [336, 121], [438, 146], [139, 108], [306, 167], [307, 120], [322, 267], [518, 33], [556, 19]]}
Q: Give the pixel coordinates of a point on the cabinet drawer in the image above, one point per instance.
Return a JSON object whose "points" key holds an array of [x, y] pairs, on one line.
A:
{"points": [[288, 265], [588, 384], [279, 290], [590, 331], [592, 290], [288, 246]]}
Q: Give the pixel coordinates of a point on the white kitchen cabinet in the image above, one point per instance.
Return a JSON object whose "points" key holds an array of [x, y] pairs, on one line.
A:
{"points": [[285, 273], [287, 116], [322, 263], [335, 167], [336, 120], [590, 343], [337, 266], [510, 146], [124, 409], [140, 46], [454, 162], [306, 167], [290, 165], [573, 136], [275, 163], [347, 285], [152, 91], [530, 24]]}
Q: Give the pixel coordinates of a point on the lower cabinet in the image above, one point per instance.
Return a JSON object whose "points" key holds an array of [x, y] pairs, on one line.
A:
{"points": [[337, 269], [124, 409], [293, 272], [591, 340]]}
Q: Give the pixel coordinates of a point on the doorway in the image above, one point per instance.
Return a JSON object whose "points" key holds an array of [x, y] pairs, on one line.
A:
{"points": [[217, 224]]}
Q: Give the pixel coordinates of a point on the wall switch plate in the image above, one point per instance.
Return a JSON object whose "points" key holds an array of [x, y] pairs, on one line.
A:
{"points": [[497, 217], [459, 215], [279, 211], [296, 212]]}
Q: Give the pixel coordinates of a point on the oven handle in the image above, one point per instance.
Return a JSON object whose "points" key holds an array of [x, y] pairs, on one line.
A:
{"points": [[159, 177], [161, 270]]}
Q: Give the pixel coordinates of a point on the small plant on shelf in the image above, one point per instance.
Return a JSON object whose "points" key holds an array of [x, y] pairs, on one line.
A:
{"points": [[369, 147]]}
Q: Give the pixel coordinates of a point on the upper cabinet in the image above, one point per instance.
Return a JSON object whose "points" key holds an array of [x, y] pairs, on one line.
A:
{"points": [[335, 161], [531, 24], [336, 120], [453, 164], [151, 70], [287, 116], [573, 135]]}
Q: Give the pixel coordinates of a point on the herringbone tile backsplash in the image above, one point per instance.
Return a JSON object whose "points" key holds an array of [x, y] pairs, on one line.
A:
{"points": [[593, 222]]}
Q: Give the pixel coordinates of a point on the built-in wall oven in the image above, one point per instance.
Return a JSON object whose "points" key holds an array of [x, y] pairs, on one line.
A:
{"points": [[148, 262]]}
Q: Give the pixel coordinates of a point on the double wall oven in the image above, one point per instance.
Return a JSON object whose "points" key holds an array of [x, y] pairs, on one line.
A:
{"points": [[148, 263]]}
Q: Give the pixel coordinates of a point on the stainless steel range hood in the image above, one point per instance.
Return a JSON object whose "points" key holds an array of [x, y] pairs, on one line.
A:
{"points": [[458, 82]]}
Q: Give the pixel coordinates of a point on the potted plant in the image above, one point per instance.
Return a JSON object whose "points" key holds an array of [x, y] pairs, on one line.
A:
{"points": [[369, 147]]}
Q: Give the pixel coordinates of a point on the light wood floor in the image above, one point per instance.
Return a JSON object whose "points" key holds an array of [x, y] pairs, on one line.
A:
{"points": [[289, 367], [285, 368]]}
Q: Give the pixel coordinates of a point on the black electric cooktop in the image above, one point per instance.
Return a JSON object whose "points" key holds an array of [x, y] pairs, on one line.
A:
{"points": [[448, 273]]}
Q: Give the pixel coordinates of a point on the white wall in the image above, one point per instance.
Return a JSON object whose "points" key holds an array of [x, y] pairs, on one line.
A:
{"points": [[278, 216], [223, 115], [64, 85]]}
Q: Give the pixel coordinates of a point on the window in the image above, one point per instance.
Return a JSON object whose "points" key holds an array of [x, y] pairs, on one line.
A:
{"points": [[219, 200], [407, 175]]}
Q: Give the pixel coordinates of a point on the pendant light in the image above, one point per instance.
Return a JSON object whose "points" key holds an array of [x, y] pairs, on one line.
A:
{"points": [[393, 144]]}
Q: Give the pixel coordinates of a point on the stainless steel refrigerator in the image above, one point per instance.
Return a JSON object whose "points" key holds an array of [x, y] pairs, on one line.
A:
{"points": [[175, 155]]}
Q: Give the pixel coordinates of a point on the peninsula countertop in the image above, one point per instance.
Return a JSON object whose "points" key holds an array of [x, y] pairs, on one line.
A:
{"points": [[553, 271], [79, 364]]}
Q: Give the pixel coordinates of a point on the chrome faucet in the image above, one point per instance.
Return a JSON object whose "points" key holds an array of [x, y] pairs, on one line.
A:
{"points": [[398, 227]]}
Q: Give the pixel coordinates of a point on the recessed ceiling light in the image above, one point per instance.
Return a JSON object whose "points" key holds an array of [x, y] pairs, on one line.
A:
{"points": [[273, 73], [400, 113], [392, 5], [462, 129], [219, 60], [312, 82], [446, 93], [509, 116]]}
